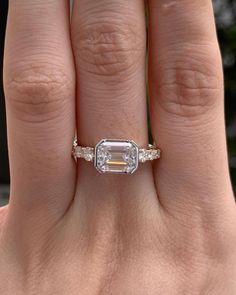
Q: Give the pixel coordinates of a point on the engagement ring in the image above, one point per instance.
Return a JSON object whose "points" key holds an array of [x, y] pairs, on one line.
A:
{"points": [[116, 156]]}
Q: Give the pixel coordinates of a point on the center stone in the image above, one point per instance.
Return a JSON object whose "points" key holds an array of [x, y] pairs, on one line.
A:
{"points": [[117, 156]]}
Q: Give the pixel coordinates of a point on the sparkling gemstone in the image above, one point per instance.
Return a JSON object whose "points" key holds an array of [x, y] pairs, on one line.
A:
{"points": [[88, 154], [84, 152], [117, 156], [79, 151], [148, 155], [143, 155]]}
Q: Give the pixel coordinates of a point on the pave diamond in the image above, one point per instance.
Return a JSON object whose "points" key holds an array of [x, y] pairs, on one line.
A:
{"points": [[84, 152], [148, 155], [117, 156]]}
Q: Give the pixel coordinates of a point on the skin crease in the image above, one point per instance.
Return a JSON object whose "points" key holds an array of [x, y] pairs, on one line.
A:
{"points": [[170, 228]]}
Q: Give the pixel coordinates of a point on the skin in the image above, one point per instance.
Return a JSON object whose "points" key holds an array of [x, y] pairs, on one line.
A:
{"points": [[170, 228]]}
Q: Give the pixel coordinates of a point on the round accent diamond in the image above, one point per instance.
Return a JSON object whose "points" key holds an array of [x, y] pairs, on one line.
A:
{"points": [[88, 154], [84, 152]]}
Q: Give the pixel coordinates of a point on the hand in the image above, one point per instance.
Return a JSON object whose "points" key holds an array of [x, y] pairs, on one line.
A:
{"points": [[167, 229]]}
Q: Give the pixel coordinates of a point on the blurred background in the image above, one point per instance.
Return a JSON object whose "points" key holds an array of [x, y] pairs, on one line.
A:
{"points": [[225, 12]]}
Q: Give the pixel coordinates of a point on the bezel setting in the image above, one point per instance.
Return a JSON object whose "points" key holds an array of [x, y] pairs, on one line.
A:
{"points": [[116, 156]]}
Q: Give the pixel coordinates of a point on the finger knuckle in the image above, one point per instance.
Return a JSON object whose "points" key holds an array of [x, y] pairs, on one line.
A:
{"points": [[107, 48], [190, 85], [38, 92]]}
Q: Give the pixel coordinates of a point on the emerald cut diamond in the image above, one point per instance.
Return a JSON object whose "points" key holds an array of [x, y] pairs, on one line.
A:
{"points": [[116, 156]]}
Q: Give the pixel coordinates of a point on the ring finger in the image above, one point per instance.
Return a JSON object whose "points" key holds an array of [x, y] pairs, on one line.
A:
{"points": [[109, 42], [109, 46]]}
